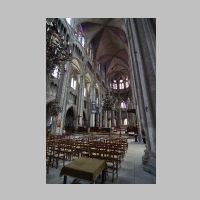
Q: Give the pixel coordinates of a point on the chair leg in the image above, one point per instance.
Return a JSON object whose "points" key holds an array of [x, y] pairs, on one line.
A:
{"points": [[103, 176], [65, 180], [63, 162], [117, 170], [52, 162], [57, 163], [112, 175]]}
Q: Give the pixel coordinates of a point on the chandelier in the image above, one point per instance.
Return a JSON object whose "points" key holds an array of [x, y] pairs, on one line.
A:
{"points": [[58, 51], [108, 101]]}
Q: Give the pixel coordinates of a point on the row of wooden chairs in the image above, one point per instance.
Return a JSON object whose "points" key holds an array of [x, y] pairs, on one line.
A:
{"points": [[110, 149]]}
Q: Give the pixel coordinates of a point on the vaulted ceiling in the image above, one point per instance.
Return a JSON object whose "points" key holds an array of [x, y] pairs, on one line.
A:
{"points": [[109, 42]]}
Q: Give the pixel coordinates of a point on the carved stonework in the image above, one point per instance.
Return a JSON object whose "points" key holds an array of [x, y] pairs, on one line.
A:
{"points": [[108, 102], [57, 51], [149, 162], [54, 109]]}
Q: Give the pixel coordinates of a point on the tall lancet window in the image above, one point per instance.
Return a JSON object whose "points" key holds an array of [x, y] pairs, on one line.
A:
{"points": [[56, 72], [68, 21], [123, 105], [73, 83], [125, 121], [115, 85]]}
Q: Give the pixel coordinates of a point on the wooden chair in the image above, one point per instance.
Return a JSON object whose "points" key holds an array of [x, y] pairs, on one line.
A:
{"points": [[84, 148], [49, 156], [112, 163]]}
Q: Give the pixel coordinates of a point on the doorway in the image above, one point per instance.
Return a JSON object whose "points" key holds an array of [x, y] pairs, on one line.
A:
{"points": [[70, 121]]}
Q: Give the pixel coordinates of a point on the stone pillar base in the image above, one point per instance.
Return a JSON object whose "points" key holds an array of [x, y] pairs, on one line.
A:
{"points": [[149, 162], [58, 131]]}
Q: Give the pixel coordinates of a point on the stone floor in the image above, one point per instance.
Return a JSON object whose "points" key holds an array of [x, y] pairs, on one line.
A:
{"points": [[131, 171]]}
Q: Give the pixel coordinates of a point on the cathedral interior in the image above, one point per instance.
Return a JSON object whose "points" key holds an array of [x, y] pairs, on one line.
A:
{"points": [[101, 100]]}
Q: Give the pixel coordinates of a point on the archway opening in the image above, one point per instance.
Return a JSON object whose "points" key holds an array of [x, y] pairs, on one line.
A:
{"points": [[49, 119], [70, 121], [84, 120]]}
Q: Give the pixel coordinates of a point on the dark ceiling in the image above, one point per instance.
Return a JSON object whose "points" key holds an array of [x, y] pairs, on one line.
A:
{"points": [[108, 39]]}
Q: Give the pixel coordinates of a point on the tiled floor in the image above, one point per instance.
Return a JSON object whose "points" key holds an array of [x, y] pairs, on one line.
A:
{"points": [[131, 171]]}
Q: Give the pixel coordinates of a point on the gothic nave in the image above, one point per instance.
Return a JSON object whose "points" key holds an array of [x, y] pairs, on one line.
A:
{"points": [[101, 100]]}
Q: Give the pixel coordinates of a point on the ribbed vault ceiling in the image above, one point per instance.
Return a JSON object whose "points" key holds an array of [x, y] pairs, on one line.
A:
{"points": [[109, 43]]}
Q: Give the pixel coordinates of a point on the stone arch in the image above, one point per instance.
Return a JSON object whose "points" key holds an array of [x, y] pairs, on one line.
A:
{"points": [[97, 93], [76, 64]]}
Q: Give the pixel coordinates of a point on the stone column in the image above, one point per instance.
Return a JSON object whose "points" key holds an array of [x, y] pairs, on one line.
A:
{"points": [[97, 119], [109, 118], [117, 118], [92, 115], [61, 97], [105, 119], [54, 122], [127, 116], [100, 108], [131, 117], [81, 101], [113, 117], [120, 117], [136, 85], [92, 120], [100, 119], [88, 111], [142, 57]]}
